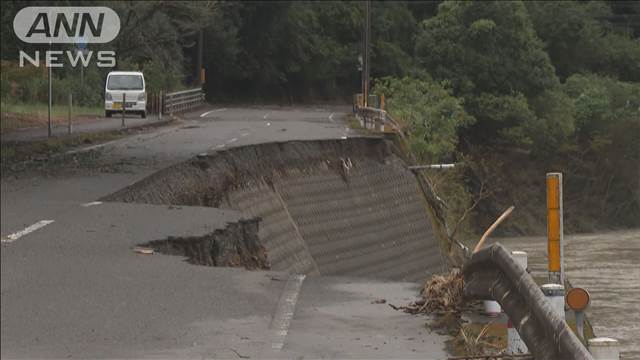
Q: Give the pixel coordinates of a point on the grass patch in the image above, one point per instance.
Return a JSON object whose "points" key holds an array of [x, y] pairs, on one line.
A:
{"points": [[19, 115], [19, 152], [353, 123]]}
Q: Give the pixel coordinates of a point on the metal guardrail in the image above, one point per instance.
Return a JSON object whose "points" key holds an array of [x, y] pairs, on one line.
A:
{"points": [[182, 100], [493, 274], [375, 119]]}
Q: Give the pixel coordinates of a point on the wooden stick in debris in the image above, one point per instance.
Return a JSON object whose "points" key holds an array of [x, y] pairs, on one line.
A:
{"points": [[491, 228], [493, 357]]}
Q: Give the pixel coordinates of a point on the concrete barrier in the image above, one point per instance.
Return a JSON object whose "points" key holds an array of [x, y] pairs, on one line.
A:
{"points": [[493, 274]]}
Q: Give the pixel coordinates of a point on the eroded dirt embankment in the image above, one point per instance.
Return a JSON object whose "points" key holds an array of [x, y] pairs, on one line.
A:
{"points": [[235, 245], [342, 207]]}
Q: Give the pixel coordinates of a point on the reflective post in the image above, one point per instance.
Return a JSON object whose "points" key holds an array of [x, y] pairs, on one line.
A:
{"points": [[49, 125], [515, 344], [555, 228], [124, 102], [70, 127], [160, 105]]}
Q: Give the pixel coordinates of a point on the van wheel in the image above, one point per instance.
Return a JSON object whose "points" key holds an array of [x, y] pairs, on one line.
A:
{"points": [[107, 113], [143, 114]]}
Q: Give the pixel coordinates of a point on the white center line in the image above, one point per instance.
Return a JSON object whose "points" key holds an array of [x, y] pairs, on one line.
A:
{"points": [[212, 111], [220, 146], [232, 140], [31, 228], [244, 134], [91, 203], [284, 312]]}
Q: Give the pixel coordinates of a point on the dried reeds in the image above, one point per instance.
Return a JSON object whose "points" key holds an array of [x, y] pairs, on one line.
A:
{"points": [[440, 294]]}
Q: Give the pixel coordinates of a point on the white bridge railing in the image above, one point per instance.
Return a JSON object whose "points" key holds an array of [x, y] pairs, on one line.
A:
{"points": [[182, 100]]}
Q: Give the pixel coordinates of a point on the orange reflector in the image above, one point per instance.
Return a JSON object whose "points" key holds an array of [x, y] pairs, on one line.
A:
{"points": [[577, 299], [553, 191], [554, 221], [554, 256], [553, 224]]}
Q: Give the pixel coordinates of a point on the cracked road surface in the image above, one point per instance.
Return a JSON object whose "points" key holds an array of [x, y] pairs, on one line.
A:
{"points": [[72, 286]]}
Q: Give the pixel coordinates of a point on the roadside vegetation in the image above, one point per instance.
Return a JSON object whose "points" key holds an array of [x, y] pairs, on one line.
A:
{"points": [[509, 93], [48, 156]]}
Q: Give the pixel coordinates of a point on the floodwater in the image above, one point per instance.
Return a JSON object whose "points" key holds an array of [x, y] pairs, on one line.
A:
{"points": [[608, 266]]}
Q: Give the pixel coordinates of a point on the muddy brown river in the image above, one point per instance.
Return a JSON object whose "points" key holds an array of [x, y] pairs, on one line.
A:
{"points": [[608, 266]]}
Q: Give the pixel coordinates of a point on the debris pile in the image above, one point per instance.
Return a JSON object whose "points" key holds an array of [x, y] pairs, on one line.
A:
{"points": [[440, 294]]}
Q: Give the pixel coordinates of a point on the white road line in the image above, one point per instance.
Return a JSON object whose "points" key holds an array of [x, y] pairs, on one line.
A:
{"points": [[331, 117], [284, 312], [212, 111], [244, 134], [232, 140], [93, 203], [92, 147], [220, 146], [266, 115], [31, 228]]}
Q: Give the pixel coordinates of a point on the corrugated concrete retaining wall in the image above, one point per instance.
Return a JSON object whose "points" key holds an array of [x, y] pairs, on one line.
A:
{"points": [[342, 207]]}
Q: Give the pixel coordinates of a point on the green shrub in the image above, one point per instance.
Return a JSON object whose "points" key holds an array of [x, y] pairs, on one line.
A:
{"points": [[430, 113]]}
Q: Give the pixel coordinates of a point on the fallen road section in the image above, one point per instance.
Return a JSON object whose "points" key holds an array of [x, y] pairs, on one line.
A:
{"points": [[330, 207]]}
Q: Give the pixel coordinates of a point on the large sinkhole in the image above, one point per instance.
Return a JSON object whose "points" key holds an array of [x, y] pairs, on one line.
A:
{"points": [[335, 207]]}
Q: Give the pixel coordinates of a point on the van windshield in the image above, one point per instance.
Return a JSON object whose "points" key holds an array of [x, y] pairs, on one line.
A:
{"points": [[124, 82]]}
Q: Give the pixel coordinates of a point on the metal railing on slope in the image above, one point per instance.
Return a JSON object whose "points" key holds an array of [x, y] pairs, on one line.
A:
{"points": [[493, 274], [182, 100]]}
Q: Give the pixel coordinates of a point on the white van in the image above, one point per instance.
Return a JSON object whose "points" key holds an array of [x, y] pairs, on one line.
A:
{"points": [[127, 84]]}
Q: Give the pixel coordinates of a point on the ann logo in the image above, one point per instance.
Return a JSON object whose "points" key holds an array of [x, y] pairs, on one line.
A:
{"points": [[66, 24], [71, 28]]}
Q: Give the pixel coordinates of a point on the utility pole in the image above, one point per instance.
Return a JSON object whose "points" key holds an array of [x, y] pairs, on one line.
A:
{"points": [[365, 52], [49, 125], [199, 61]]}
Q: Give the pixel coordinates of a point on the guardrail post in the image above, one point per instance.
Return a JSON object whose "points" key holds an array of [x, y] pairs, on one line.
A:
{"points": [[604, 349], [152, 104], [170, 105], [555, 295], [70, 127], [124, 105], [160, 106], [515, 344]]}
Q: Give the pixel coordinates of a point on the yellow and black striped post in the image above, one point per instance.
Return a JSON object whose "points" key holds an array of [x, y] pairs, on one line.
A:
{"points": [[555, 228]]}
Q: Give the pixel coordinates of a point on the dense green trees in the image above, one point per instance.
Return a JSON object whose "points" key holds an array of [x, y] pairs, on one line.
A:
{"points": [[288, 51], [580, 39], [490, 53]]}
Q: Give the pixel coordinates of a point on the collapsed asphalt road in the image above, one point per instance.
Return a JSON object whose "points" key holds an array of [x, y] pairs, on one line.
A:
{"points": [[72, 286]]}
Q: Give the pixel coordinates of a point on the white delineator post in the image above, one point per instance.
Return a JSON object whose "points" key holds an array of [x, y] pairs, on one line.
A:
{"points": [[555, 295], [604, 348], [492, 308], [515, 345]]}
